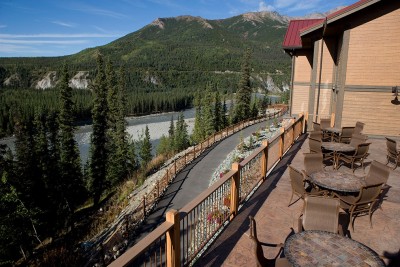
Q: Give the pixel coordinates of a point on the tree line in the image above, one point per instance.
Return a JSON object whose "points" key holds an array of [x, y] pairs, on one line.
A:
{"points": [[43, 184]]}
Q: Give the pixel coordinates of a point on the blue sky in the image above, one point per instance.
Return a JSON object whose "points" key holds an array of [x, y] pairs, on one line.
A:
{"points": [[63, 27]]}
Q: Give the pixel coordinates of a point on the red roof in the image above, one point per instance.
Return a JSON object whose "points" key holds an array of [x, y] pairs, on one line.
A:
{"points": [[332, 17], [292, 37]]}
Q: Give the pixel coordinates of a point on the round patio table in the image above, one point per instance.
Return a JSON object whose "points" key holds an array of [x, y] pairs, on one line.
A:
{"points": [[333, 130], [320, 248], [337, 148], [337, 181]]}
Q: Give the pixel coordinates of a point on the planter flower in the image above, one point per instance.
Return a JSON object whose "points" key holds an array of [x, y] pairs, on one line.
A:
{"points": [[227, 201], [215, 216]]}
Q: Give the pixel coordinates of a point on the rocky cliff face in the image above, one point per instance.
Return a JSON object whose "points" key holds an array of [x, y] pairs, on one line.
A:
{"points": [[79, 81]]}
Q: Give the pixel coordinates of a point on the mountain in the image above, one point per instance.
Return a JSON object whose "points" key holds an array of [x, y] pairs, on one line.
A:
{"points": [[178, 52]]}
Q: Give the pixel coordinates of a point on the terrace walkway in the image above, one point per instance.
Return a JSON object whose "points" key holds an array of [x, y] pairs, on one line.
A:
{"points": [[194, 178], [276, 221]]}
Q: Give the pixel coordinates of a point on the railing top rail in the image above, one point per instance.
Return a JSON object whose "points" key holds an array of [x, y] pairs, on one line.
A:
{"points": [[131, 254], [206, 193], [252, 155]]}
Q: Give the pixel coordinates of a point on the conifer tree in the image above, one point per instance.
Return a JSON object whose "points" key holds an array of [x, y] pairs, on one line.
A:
{"points": [[224, 115], [243, 94], [98, 149], [145, 147], [198, 130], [218, 112], [181, 138], [70, 184], [171, 137], [208, 112]]}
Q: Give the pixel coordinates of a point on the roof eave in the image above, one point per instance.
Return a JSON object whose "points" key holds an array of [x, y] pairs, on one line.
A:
{"points": [[338, 16]]}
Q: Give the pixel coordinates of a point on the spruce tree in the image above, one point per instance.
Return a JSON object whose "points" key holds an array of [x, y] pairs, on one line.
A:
{"points": [[208, 112], [145, 148], [243, 94], [98, 146], [181, 138], [70, 185], [198, 130], [171, 136], [218, 112], [224, 115]]}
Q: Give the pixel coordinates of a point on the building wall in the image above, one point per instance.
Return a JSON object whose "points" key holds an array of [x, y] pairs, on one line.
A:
{"points": [[375, 109], [374, 52], [373, 67], [300, 99], [301, 83]]}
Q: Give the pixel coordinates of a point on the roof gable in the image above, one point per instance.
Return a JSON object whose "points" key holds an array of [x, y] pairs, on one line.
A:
{"points": [[292, 37]]}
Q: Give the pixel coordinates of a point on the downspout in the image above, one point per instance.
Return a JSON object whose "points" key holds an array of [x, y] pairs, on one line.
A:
{"points": [[320, 70], [291, 83]]}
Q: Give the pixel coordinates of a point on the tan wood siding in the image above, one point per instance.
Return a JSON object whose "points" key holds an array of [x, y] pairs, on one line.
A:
{"points": [[300, 99], [380, 116], [374, 52], [302, 69], [324, 102], [327, 66]]}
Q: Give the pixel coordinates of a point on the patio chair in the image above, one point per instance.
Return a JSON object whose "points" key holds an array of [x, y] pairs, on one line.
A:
{"points": [[393, 154], [313, 162], [378, 173], [326, 123], [358, 157], [357, 139], [299, 185], [315, 135], [363, 203], [359, 127], [316, 126], [316, 147], [258, 250], [320, 213], [345, 135]]}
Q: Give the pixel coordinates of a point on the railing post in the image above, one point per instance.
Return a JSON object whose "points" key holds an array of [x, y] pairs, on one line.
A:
{"points": [[305, 120], [264, 159], [214, 137], [235, 184], [158, 189], [281, 142], [175, 167], [173, 253], [293, 130], [194, 152]]}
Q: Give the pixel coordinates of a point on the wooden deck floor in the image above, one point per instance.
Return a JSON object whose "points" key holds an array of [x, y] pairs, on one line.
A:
{"points": [[276, 221]]}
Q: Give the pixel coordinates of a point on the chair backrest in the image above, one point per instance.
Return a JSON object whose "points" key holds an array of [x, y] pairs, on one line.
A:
{"points": [[362, 150], [357, 139], [316, 126], [313, 162], [378, 173], [359, 127], [325, 123], [315, 145], [347, 132], [369, 193], [321, 213], [297, 180], [315, 135], [391, 147]]}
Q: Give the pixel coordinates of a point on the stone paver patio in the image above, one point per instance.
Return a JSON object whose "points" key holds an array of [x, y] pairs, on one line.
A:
{"points": [[276, 221]]}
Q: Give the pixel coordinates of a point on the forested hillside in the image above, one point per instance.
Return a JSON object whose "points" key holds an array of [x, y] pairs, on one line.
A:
{"points": [[166, 61]]}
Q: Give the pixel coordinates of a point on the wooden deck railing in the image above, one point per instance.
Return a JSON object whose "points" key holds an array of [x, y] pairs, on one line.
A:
{"points": [[185, 234]]}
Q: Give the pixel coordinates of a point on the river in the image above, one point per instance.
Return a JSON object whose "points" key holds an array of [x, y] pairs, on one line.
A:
{"points": [[158, 125]]}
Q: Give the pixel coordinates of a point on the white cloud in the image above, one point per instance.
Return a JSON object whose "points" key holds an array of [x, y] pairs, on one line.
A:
{"points": [[65, 24], [13, 49], [262, 6], [60, 35], [13, 41]]}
